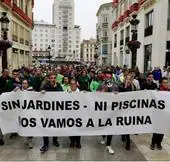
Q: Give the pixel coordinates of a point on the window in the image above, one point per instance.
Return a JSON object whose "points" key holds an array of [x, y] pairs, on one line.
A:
{"points": [[127, 34], [149, 24], [53, 45], [105, 19], [122, 37], [168, 27], [77, 46], [149, 19], [15, 2], [148, 57], [104, 49], [105, 34], [26, 8], [21, 4]]}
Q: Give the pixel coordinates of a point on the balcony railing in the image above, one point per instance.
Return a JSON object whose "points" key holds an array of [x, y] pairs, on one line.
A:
{"points": [[114, 24], [105, 25], [133, 8], [7, 2], [168, 25], [148, 31]]}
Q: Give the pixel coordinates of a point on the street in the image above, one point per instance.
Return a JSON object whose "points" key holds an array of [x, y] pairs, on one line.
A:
{"points": [[92, 150]]}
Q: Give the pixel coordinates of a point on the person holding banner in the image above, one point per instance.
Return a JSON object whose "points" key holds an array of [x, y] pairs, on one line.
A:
{"points": [[12, 85], [157, 138], [26, 87], [1, 138], [108, 86], [127, 86], [51, 87], [75, 140]]}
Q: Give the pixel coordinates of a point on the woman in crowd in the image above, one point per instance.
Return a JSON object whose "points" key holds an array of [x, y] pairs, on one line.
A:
{"points": [[75, 140], [127, 86], [157, 138], [26, 87]]}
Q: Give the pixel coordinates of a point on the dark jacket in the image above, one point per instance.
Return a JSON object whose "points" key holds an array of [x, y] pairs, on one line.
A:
{"points": [[3, 82], [50, 88], [127, 89], [151, 86], [12, 84]]}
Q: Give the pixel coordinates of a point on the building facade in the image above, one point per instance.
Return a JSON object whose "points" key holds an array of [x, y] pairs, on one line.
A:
{"points": [[88, 51], [104, 33], [68, 42], [43, 36], [153, 32], [20, 15]]}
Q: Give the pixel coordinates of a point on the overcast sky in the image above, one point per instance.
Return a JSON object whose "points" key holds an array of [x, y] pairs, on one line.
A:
{"points": [[85, 14]]}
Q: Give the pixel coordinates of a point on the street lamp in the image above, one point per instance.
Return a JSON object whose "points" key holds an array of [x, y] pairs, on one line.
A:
{"points": [[4, 42], [96, 54], [133, 45], [49, 54]]}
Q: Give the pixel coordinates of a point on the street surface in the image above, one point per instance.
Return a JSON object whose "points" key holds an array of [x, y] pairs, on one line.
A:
{"points": [[15, 150]]}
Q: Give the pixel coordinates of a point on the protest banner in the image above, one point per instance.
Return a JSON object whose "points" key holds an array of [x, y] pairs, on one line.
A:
{"points": [[84, 114]]}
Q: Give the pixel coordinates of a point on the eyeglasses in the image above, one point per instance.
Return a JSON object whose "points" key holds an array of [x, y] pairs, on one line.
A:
{"points": [[164, 82], [24, 83]]}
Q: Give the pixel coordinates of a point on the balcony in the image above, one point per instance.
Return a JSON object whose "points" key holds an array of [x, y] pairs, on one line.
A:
{"points": [[121, 42], [168, 25], [21, 13], [114, 24], [105, 25], [120, 19], [148, 31], [15, 38], [133, 8], [105, 40], [7, 2], [126, 14], [141, 2], [115, 3]]}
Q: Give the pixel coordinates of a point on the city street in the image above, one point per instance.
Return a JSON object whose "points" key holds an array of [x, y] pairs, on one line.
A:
{"points": [[15, 150]]}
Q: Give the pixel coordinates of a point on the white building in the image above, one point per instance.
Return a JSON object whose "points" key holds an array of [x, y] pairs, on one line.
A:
{"points": [[153, 32], [104, 33], [19, 12], [43, 36], [88, 51], [68, 42]]}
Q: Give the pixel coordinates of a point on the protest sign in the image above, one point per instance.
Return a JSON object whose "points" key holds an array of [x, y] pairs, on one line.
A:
{"points": [[85, 114]]}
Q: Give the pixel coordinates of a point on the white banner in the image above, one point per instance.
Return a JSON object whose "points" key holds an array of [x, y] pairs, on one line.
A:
{"points": [[85, 114]]}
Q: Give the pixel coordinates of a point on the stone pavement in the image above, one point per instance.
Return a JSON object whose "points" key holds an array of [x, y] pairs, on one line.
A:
{"points": [[15, 150]]}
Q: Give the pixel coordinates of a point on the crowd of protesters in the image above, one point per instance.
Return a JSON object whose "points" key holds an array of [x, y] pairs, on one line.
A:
{"points": [[73, 78]]}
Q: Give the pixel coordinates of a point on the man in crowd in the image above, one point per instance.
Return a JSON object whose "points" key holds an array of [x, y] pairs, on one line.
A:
{"points": [[149, 83], [52, 86], [108, 86], [4, 79]]}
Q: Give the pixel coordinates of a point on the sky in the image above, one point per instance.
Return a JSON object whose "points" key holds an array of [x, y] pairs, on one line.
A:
{"points": [[85, 14]]}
